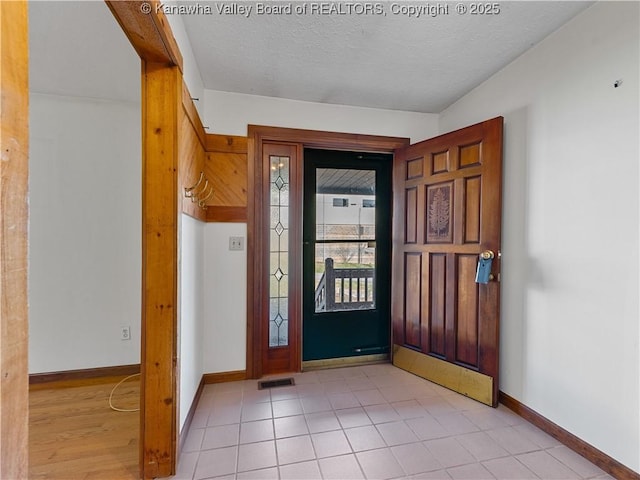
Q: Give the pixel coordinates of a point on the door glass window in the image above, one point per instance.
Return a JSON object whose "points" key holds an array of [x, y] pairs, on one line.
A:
{"points": [[279, 252], [345, 246]]}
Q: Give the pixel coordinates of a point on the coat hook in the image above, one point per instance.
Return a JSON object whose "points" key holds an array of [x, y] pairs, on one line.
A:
{"points": [[202, 203], [189, 191], [196, 195]]}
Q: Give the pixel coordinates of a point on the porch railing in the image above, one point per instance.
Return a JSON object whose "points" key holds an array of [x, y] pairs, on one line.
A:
{"points": [[345, 288]]}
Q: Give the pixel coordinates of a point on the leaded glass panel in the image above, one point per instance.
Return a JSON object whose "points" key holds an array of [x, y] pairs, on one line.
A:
{"points": [[279, 252]]}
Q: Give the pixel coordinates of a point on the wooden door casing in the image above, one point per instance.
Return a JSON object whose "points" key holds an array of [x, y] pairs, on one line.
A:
{"points": [[447, 210], [259, 137]]}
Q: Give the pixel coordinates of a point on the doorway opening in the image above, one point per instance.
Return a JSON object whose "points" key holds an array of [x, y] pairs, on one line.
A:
{"points": [[346, 254], [274, 146]]}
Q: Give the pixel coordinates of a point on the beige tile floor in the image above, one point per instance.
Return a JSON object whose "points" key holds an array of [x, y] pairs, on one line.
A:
{"points": [[373, 422]]}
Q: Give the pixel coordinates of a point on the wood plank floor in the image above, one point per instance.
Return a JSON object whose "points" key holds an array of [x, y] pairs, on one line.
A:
{"points": [[74, 434]]}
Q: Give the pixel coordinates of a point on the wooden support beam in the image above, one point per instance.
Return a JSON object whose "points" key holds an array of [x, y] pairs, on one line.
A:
{"points": [[161, 101], [14, 216], [147, 28]]}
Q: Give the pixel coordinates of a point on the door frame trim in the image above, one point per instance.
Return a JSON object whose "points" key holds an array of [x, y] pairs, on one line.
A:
{"points": [[256, 241]]}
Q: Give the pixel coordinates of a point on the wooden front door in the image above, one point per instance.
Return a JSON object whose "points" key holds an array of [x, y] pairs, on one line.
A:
{"points": [[447, 212]]}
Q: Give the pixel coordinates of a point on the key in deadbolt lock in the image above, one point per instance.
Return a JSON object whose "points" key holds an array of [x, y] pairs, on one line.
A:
{"points": [[483, 272]]}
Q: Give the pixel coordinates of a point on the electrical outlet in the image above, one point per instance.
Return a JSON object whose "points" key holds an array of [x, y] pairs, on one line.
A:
{"points": [[236, 243], [125, 333]]}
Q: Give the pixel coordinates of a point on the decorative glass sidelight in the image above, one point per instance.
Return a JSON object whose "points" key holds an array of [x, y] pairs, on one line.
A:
{"points": [[279, 252]]}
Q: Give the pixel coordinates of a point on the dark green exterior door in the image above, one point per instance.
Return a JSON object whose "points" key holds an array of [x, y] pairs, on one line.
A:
{"points": [[346, 254]]}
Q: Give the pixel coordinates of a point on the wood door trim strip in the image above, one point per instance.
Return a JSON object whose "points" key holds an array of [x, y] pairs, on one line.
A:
{"points": [[225, 143], [588, 451], [83, 374], [327, 140], [217, 213]]}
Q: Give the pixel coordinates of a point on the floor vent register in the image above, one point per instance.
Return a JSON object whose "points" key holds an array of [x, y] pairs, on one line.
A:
{"points": [[280, 382]]}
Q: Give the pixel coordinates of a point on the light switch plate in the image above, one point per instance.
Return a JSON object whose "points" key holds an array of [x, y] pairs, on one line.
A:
{"points": [[236, 243]]}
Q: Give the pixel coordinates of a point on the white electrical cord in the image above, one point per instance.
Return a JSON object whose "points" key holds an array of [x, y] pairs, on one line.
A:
{"points": [[114, 389]]}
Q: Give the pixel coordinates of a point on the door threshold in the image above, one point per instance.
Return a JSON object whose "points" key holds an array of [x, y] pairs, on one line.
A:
{"points": [[344, 362]]}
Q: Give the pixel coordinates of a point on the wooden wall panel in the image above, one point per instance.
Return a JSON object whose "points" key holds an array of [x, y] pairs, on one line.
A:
{"points": [[191, 161], [228, 172], [14, 214], [227, 168]]}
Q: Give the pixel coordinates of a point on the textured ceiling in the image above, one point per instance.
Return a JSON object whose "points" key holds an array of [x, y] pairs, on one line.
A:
{"points": [[385, 60]]}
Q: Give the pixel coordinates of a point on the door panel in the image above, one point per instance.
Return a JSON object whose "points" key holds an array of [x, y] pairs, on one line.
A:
{"points": [[413, 269], [447, 211], [435, 293]]}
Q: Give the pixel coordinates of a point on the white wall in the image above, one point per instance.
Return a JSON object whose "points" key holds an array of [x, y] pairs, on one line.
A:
{"points": [[569, 334], [85, 237], [225, 280], [191, 295], [230, 113], [225, 275]]}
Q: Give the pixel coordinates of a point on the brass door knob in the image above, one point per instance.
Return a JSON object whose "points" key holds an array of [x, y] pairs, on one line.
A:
{"points": [[487, 254]]}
